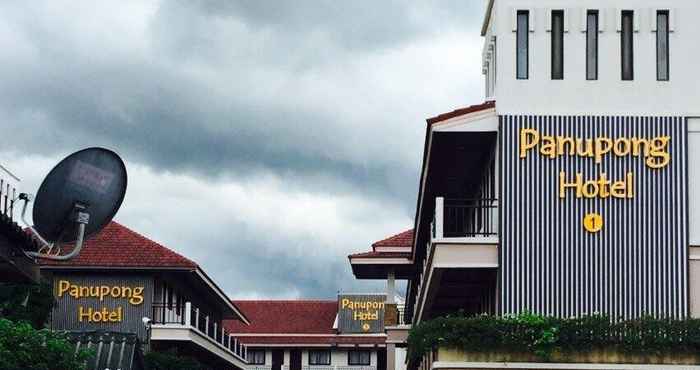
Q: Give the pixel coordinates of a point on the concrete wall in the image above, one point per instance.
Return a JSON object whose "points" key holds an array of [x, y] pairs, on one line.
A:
{"points": [[609, 95]]}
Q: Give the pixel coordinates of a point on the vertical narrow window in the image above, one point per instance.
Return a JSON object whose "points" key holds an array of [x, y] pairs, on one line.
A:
{"points": [[592, 29], [523, 40], [662, 29], [627, 40], [557, 45]]}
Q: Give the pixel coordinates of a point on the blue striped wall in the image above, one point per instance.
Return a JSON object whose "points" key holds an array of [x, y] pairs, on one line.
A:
{"points": [[637, 264]]}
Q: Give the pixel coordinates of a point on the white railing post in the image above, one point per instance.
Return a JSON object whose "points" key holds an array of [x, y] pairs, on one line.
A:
{"points": [[188, 313], [196, 318], [439, 217], [206, 328], [215, 328]]}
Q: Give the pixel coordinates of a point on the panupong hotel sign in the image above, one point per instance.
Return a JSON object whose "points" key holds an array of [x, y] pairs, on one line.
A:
{"points": [[132, 296], [653, 151]]}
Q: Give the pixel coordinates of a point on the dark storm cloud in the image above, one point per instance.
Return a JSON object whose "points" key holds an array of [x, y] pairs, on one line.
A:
{"points": [[234, 91]]}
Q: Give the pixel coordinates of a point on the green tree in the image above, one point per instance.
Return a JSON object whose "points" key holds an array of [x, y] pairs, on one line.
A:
{"points": [[27, 302], [24, 348]]}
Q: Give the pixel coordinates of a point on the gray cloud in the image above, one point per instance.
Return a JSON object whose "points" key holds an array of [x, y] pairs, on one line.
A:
{"points": [[326, 98]]}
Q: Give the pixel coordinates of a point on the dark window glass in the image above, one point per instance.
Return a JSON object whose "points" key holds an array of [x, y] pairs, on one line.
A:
{"points": [[523, 39], [592, 29], [627, 39], [358, 358], [662, 29], [319, 357], [557, 44], [256, 356]]}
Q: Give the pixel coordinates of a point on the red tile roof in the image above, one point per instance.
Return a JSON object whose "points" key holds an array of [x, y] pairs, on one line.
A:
{"points": [[286, 317], [118, 246], [461, 112], [404, 239], [305, 322]]}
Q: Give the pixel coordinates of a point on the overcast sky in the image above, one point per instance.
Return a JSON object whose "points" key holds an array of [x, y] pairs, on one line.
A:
{"points": [[266, 140]]}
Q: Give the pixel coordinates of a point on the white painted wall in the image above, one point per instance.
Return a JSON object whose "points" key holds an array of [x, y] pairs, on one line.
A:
{"points": [[608, 95], [694, 181]]}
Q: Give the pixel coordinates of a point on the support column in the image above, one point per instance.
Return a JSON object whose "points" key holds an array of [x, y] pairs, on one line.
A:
{"points": [[390, 287], [390, 356]]}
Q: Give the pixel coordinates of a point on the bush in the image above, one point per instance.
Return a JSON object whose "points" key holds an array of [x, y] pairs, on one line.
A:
{"points": [[170, 360], [25, 348], [541, 336]]}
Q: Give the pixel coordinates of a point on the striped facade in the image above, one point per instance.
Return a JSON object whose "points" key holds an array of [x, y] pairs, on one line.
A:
{"points": [[637, 264]]}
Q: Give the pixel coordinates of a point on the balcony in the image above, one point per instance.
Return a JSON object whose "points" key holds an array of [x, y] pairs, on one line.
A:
{"points": [[465, 219], [186, 322], [459, 269]]}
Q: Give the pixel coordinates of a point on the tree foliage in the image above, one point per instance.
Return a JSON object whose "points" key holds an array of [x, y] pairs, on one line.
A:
{"points": [[27, 302], [24, 348]]}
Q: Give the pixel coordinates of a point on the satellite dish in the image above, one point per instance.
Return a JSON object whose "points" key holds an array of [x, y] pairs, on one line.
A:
{"points": [[78, 198]]}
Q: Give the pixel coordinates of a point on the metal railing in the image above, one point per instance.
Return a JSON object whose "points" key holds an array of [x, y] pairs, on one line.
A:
{"points": [[8, 192], [401, 314], [465, 218], [191, 316], [334, 367]]}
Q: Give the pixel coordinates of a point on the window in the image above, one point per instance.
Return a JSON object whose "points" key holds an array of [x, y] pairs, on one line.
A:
{"points": [[256, 356], [358, 358], [522, 40], [627, 47], [557, 45], [592, 29], [662, 29], [319, 357]]}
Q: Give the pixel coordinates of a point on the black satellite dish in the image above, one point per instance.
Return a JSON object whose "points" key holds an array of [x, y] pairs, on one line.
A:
{"points": [[79, 196]]}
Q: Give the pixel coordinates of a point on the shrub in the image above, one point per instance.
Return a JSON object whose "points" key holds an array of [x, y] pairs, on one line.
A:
{"points": [[541, 336], [23, 347]]}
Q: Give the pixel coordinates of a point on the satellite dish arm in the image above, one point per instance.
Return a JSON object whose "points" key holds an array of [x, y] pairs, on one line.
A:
{"points": [[28, 198], [82, 219]]}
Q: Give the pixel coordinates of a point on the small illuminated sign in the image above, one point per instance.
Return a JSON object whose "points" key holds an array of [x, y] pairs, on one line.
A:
{"points": [[361, 313]]}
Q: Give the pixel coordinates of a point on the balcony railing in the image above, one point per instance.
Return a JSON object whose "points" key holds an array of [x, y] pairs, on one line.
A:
{"points": [[334, 367], [465, 218], [190, 316], [8, 192]]}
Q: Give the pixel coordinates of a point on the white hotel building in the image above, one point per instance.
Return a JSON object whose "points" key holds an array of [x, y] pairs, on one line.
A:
{"points": [[575, 187]]}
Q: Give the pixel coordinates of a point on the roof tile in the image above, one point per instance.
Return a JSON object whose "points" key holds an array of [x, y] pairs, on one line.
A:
{"points": [[118, 246]]}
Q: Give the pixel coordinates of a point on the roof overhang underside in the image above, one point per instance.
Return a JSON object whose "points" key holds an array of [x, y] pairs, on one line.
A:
{"points": [[379, 268]]}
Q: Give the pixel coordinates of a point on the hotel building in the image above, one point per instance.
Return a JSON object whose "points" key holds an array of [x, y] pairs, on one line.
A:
{"points": [[574, 188], [313, 334], [123, 284]]}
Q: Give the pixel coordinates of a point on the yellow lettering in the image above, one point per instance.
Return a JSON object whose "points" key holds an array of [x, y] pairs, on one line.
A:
{"points": [[603, 145], [525, 143], [549, 147], [63, 287], [137, 296], [659, 150], [563, 185], [561, 142]]}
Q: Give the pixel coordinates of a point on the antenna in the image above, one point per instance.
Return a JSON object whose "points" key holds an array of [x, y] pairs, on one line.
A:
{"points": [[78, 198]]}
